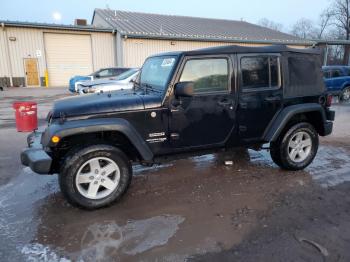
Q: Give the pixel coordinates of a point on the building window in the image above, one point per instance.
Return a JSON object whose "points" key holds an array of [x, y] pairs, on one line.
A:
{"points": [[260, 72], [208, 75]]}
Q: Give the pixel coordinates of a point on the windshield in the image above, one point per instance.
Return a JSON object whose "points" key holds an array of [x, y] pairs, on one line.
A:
{"points": [[156, 71], [126, 74]]}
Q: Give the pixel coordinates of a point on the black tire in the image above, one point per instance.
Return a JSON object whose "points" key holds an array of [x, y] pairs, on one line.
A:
{"points": [[345, 97], [76, 159], [280, 153]]}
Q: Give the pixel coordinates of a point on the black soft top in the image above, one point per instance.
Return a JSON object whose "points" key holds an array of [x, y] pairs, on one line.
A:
{"points": [[245, 49]]}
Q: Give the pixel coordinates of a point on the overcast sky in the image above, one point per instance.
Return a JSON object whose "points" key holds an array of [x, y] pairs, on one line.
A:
{"points": [[285, 12]]}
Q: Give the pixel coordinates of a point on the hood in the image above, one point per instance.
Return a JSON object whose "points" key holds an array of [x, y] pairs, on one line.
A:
{"points": [[118, 101], [99, 82], [80, 78]]}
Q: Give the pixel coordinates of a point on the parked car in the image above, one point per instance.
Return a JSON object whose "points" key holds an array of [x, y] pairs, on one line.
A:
{"points": [[185, 104], [337, 80], [123, 81], [102, 73]]}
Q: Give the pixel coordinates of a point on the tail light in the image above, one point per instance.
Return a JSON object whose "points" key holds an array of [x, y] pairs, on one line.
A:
{"points": [[329, 100]]}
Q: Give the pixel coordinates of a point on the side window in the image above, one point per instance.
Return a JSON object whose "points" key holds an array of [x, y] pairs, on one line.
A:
{"points": [[260, 72], [208, 75], [326, 74], [336, 73]]}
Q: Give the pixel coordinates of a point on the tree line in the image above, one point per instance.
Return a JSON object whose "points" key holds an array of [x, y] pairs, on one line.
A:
{"points": [[332, 24]]}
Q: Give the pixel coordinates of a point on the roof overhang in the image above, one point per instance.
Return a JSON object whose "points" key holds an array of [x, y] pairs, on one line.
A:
{"points": [[54, 26], [214, 39]]}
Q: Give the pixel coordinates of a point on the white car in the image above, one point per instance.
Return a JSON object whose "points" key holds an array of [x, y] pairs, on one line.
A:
{"points": [[123, 81]]}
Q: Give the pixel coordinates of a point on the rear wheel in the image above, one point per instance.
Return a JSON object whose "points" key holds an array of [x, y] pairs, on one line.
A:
{"points": [[95, 176], [296, 148]]}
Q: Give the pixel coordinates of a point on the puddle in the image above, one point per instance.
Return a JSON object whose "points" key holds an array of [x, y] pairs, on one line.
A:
{"points": [[40, 253], [101, 241], [17, 203], [331, 166]]}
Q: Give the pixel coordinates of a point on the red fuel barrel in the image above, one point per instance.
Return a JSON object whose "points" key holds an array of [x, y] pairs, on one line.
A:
{"points": [[26, 116]]}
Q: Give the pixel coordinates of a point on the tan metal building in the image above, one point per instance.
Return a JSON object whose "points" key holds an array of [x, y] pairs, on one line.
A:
{"points": [[29, 50]]}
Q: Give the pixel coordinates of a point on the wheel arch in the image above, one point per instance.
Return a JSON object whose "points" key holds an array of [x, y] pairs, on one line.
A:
{"points": [[310, 112], [110, 131]]}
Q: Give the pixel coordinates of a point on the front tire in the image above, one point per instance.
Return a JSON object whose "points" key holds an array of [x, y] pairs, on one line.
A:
{"points": [[95, 176], [345, 96], [296, 148]]}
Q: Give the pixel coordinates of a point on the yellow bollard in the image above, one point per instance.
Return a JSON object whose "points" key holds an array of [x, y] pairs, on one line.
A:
{"points": [[46, 78]]}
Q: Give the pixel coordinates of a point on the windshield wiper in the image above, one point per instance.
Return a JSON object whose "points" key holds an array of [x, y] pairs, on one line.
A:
{"points": [[150, 88], [135, 84]]}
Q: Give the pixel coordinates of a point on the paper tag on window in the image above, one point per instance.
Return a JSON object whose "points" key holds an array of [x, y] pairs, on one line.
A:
{"points": [[168, 62]]}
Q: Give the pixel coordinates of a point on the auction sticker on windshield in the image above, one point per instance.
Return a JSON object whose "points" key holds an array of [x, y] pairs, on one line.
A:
{"points": [[168, 62]]}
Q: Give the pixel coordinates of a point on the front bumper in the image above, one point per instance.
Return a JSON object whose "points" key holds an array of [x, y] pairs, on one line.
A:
{"points": [[35, 156]]}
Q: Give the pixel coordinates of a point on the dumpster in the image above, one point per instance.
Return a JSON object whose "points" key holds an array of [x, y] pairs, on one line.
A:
{"points": [[26, 116]]}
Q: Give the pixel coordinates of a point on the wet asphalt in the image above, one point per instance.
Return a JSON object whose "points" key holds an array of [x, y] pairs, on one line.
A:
{"points": [[192, 209]]}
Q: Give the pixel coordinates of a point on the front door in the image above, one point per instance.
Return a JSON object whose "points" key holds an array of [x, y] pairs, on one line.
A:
{"points": [[31, 71], [207, 118], [261, 94]]}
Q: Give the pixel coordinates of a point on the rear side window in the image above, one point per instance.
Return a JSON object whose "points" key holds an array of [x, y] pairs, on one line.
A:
{"points": [[260, 72], [208, 75], [302, 71], [304, 76]]}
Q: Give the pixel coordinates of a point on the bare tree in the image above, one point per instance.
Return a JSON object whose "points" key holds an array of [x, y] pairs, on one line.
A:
{"points": [[323, 23], [340, 14], [305, 29], [270, 24]]}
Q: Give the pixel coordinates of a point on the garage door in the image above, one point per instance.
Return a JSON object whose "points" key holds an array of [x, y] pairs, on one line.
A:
{"points": [[67, 55]]}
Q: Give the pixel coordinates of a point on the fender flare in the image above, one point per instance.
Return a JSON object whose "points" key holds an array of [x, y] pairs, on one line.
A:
{"points": [[282, 118], [86, 126], [345, 85]]}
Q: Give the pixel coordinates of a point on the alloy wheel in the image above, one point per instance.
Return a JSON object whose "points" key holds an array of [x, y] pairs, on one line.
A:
{"points": [[97, 178]]}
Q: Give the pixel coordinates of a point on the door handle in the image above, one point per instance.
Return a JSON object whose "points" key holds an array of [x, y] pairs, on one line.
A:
{"points": [[272, 99]]}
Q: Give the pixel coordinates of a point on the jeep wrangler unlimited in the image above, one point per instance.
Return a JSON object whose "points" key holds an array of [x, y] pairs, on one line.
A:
{"points": [[185, 103]]}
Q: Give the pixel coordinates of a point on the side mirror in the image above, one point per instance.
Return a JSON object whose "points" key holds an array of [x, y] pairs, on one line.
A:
{"points": [[184, 89]]}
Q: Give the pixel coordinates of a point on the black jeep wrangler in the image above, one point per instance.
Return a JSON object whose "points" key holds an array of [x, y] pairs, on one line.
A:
{"points": [[185, 103]]}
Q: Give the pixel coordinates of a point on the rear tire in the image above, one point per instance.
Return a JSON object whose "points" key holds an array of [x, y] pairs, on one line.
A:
{"points": [[296, 148], [95, 176]]}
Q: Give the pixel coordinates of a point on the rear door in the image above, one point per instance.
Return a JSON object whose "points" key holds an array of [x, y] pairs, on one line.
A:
{"points": [[260, 93], [208, 117]]}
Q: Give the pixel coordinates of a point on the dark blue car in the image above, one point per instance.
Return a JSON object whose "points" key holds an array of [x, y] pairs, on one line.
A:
{"points": [[337, 80], [102, 73]]}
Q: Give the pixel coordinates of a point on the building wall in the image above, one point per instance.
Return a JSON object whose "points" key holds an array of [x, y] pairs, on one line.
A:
{"points": [[30, 41], [137, 50]]}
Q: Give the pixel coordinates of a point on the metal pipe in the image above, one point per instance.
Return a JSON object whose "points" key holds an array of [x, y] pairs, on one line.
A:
{"points": [[8, 53]]}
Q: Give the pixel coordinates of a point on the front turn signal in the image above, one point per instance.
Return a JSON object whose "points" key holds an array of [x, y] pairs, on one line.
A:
{"points": [[55, 139]]}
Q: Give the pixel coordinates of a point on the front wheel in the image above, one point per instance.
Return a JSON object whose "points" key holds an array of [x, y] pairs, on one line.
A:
{"points": [[345, 96], [95, 176], [296, 148]]}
